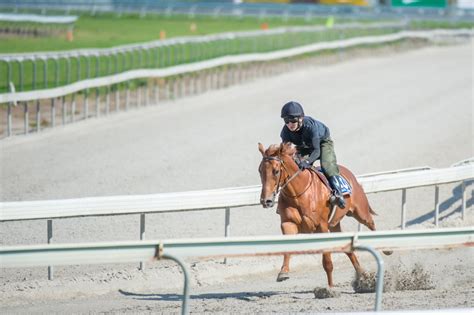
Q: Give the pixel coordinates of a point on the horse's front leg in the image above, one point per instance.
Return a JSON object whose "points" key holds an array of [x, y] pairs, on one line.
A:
{"points": [[352, 256], [327, 260], [286, 228]]}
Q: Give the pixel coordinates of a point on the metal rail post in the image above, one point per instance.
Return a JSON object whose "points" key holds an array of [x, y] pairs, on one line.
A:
{"points": [[25, 105], [463, 206], [138, 88], [86, 92], [68, 80], [142, 236], [404, 208], [168, 55], [21, 68], [50, 240], [97, 90], [108, 88], [114, 88], [147, 96], [73, 101], [127, 95], [436, 205], [380, 274], [9, 106], [184, 307], [227, 226], [156, 59], [156, 91], [56, 83], [9, 72], [9, 119], [38, 107]]}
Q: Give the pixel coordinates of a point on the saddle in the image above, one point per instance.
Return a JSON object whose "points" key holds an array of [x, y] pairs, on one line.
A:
{"points": [[346, 188]]}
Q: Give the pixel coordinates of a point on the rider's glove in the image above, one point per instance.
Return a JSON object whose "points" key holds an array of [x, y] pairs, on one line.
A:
{"points": [[303, 164]]}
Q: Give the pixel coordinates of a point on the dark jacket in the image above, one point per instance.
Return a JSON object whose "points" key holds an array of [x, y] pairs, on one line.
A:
{"points": [[308, 138]]}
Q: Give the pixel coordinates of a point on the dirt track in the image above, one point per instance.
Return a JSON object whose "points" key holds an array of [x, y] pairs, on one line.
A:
{"points": [[391, 112]]}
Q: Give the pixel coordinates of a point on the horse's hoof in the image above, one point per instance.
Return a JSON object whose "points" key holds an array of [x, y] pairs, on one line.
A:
{"points": [[387, 252], [282, 276]]}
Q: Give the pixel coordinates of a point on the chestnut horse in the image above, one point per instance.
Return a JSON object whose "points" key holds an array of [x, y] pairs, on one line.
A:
{"points": [[303, 201]]}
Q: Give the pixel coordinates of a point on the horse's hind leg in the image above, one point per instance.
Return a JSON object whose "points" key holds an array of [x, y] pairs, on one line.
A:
{"points": [[368, 221], [286, 228], [327, 260], [364, 217], [352, 256]]}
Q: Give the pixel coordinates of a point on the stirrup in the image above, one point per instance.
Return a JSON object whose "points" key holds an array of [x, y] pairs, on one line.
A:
{"points": [[338, 199]]}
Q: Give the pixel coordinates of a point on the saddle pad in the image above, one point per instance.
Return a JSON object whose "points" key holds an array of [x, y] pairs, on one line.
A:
{"points": [[346, 188]]}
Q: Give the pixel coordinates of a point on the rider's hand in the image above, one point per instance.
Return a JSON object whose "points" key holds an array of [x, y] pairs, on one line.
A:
{"points": [[303, 164]]}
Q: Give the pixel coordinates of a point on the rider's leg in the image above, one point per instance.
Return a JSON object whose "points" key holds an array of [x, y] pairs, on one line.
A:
{"points": [[331, 170]]}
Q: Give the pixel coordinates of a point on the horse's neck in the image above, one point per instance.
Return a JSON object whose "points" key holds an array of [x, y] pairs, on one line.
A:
{"points": [[298, 184]]}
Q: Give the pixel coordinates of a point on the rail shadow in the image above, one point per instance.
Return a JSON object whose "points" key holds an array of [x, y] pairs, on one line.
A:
{"points": [[446, 205], [245, 296]]}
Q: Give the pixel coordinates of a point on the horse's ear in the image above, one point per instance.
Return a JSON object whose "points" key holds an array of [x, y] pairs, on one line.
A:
{"points": [[282, 148], [261, 149], [285, 146]]}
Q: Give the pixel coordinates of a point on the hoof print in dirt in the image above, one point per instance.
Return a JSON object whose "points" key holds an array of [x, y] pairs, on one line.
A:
{"points": [[325, 293]]}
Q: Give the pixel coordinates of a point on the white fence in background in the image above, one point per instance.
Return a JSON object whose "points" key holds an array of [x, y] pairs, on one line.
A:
{"points": [[75, 99], [35, 18], [197, 39], [15, 97], [240, 9]]}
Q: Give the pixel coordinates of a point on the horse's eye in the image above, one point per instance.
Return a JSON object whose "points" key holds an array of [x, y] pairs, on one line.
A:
{"points": [[276, 172]]}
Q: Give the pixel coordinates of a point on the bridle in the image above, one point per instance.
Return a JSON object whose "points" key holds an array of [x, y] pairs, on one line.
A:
{"points": [[287, 180]]}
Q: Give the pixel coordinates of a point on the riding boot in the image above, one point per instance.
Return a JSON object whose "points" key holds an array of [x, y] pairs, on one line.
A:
{"points": [[336, 191]]}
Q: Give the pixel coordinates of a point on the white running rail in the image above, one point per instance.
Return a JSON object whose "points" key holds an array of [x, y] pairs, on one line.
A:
{"points": [[119, 252], [208, 199]]}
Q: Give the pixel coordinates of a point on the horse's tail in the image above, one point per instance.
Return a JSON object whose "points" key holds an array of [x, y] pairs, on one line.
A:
{"points": [[372, 211]]}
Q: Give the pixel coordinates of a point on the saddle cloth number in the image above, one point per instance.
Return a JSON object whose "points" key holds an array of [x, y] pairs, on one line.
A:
{"points": [[344, 185]]}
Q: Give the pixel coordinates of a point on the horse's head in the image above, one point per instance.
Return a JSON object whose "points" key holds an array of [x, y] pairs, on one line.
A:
{"points": [[272, 172]]}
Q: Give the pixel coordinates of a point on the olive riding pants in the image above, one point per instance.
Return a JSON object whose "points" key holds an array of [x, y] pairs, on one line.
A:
{"points": [[328, 158]]}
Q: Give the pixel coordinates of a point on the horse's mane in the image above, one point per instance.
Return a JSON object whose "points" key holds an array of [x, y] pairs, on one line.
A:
{"points": [[272, 150], [285, 148]]}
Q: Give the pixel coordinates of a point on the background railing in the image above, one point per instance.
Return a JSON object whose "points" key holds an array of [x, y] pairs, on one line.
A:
{"points": [[42, 70], [227, 8], [12, 24], [114, 92]]}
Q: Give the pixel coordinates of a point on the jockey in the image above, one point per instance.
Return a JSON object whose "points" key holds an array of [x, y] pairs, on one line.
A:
{"points": [[313, 142]]}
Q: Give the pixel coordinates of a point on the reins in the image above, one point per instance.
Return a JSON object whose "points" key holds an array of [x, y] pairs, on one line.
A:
{"points": [[282, 165]]}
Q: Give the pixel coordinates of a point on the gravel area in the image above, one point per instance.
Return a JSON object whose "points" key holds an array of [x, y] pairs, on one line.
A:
{"points": [[386, 112]]}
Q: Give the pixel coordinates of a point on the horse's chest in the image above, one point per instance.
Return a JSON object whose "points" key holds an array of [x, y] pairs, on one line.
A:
{"points": [[309, 211]]}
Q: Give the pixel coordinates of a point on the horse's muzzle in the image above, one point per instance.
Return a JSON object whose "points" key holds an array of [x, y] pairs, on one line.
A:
{"points": [[268, 202]]}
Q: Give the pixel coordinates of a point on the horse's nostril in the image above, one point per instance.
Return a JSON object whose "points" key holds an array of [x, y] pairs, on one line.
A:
{"points": [[269, 203]]}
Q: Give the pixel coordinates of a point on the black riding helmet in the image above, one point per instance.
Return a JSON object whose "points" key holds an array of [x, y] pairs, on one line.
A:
{"points": [[292, 109]]}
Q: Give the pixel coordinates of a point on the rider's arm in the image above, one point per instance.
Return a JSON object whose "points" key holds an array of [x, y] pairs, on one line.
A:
{"points": [[316, 141]]}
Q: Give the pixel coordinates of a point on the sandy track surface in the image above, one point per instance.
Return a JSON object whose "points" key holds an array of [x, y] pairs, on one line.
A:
{"points": [[386, 112]]}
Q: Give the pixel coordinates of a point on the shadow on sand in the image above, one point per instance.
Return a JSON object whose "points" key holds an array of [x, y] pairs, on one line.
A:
{"points": [[445, 205], [245, 296]]}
